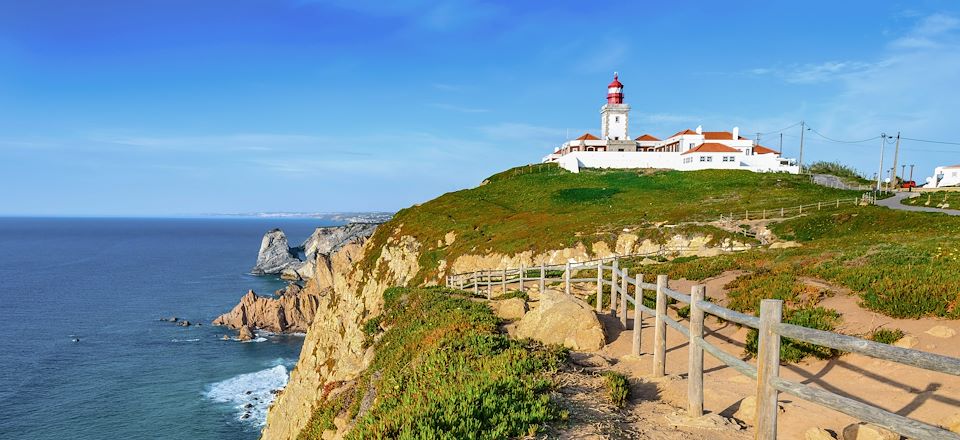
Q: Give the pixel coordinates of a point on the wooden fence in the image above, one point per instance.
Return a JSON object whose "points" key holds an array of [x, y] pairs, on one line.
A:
{"points": [[796, 210], [769, 325]]}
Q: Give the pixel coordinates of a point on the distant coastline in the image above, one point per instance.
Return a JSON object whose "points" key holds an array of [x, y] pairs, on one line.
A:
{"points": [[346, 217]]}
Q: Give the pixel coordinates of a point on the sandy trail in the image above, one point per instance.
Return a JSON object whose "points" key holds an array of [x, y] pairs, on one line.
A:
{"points": [[907, 391]]}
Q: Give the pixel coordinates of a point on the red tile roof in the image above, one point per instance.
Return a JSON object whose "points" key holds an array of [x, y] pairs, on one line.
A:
{"points": [[712, 147], [588, 137], [717, 135], [760, 149], [687, 131], [646, 137]]}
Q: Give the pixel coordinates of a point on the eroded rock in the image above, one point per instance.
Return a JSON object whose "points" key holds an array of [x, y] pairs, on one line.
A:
{"points": [[292, 312], [562, 319], [510, 309], [868, 431], [816, 433], [245, 334], [275, 254]]}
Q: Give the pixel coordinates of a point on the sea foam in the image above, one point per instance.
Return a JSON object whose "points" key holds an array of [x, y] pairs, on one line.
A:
{"points": [[250, 393]]}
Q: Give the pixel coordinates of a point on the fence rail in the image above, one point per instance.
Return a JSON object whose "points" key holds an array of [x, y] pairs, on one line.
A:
{"points": [[796, 210], [770, 328]]}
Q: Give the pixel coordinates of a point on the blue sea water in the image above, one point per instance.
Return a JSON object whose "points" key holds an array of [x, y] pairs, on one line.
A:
{"points": [[106, 282]]}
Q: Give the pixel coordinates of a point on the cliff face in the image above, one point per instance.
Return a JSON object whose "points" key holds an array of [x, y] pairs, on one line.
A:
{"points": [[274, 255], [333, 350]]}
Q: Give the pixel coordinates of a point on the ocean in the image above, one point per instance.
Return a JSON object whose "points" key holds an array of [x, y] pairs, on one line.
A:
{"points": [[106, 283]]}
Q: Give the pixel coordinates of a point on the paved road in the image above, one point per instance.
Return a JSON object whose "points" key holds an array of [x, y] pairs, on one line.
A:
{"points": [[894, 203]]}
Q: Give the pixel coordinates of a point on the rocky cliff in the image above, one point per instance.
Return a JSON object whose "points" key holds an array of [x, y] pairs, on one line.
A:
{"points": [[275, 254], [293, 311], [323, 242]]}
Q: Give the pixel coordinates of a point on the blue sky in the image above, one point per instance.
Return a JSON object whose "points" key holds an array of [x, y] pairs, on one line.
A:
{"points": [[188, 107]]}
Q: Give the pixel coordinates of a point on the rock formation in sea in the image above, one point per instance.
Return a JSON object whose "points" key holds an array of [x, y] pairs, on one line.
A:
{"points": [[293, 308], [322, 243], [275, 254], [291, 312]]}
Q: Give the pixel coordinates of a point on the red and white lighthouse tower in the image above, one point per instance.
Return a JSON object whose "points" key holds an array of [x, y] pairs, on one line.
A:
{"points": [[613, 115], [615, 91]]}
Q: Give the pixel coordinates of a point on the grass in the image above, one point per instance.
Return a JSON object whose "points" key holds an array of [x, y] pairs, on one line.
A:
{"points": [[443, 371], [938, 199], [618, 388], [836, 169], [792, 351], [886, 335], [901, 264], [521, 210], [514, 294]]}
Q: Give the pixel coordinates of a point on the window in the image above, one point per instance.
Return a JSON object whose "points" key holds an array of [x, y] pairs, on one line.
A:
{"points": [[709, 158], [620, 149], [590, 149], [691, 145], [703, 158], [616, 119]]}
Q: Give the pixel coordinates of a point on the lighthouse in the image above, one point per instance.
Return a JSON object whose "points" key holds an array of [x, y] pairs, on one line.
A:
{"points": [[614, 114]]}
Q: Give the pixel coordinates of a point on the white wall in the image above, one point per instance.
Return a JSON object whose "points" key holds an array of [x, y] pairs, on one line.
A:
{"points": [[589, 159]]}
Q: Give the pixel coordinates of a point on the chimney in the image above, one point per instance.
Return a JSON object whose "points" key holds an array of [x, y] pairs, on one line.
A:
{"points": [[736, 133], [699, 129]]}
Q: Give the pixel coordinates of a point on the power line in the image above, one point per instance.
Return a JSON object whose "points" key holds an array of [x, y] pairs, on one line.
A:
{"points": [[931, 142], [842, 142], [781, 130]]}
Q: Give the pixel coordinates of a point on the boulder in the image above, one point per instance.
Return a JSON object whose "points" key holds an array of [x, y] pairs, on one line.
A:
{"points": [[275, 254], [562, 319], [952, 423], [868, 431], [941, 331], [907, 341], [747, 410], [292, 312], [510, 309], [245, 333]]}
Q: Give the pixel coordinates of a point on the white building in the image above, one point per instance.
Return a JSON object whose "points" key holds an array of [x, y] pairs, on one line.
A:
{"points": [[944, 176], [685, 150]]}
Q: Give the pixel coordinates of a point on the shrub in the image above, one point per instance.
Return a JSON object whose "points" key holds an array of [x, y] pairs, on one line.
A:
{"points": [[833, 168], [886, 335], [515, 294], [791, 351], [618, 388]]}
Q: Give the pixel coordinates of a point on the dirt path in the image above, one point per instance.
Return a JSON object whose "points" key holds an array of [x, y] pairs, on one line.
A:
{"points": [[908, 391]]}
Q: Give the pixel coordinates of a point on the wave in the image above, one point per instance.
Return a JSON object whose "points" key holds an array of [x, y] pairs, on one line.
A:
{"points": [[250, 393], [185, 340]]}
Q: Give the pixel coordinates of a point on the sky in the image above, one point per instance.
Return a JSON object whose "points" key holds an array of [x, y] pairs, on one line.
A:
{"points": [[159, 108]]}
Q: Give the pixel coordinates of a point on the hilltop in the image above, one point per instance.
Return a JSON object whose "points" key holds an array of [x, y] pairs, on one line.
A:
{"points": [[900, 264]]}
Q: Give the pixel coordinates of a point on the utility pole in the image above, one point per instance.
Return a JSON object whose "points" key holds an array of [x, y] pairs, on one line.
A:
{"points": [[911, 172], [781, 145], [758, 138], [803, 128], [903, 171], [896, 154], [883, 142]]}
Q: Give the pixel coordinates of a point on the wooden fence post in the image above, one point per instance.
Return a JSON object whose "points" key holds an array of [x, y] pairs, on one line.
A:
{"points": [[522, 274], [695, 367], [543, 276], [660, 329], [613, 287], [801, 209], [781, 212], [746, 215], [764, 215], [489, 284], [818, 206], [637, 316], [623, 298], [503, 282], [476, 284], [600, 286], [768, 369], [566, 278], [838, 203]]}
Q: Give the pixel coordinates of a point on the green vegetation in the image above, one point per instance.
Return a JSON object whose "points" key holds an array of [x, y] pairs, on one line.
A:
{"points": [[443, 371], [515, 294], [938, 199], [618, 388], [794, 351], [886, 335], [836, 169], [546, 208]]}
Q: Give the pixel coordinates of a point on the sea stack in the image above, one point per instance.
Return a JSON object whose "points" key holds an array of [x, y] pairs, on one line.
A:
{"points": [[275, 254]]}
